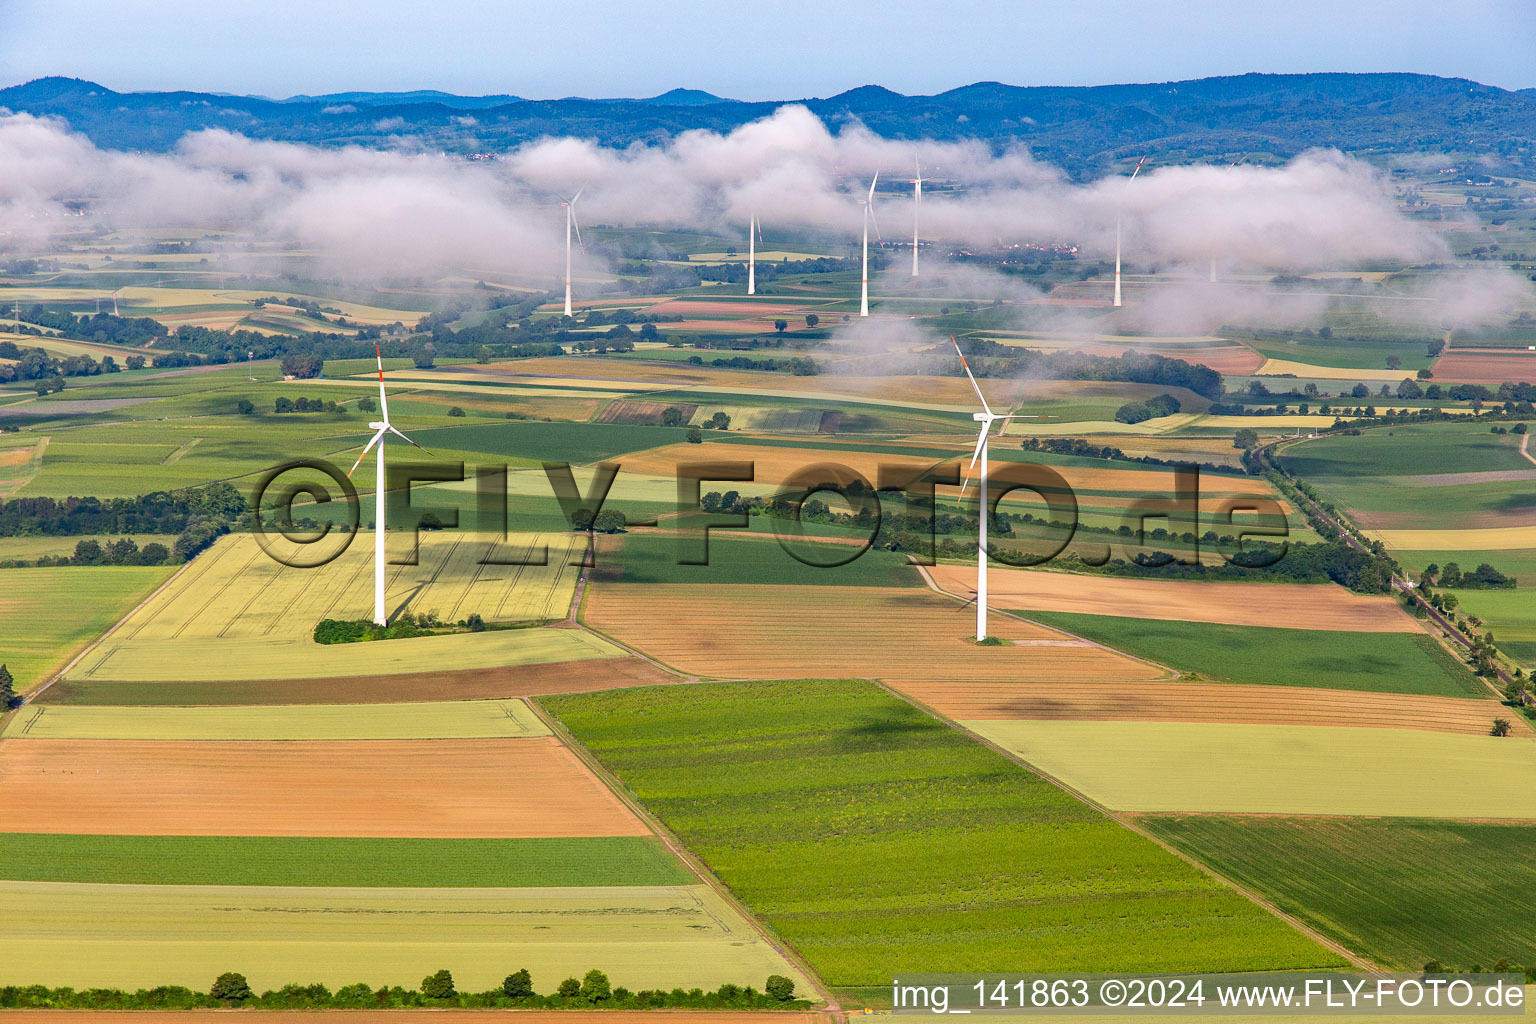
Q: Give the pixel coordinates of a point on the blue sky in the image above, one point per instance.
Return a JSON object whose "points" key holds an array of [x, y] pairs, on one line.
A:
{"points": [[764, 49]]}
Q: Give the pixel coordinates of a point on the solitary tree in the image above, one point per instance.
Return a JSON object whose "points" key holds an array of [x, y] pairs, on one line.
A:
{"points": [[695, 435], [438, 985], [811, 319], [230, 987], [518, 985], [610, 520], [781, 326], [457, 411], [245, 407], [780, 987], [7, 688], [1246, 437], [594, 987], [1394, 363], [671, 416], [1500, 727]]}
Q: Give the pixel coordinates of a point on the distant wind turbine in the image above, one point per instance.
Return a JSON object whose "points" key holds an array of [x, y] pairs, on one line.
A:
{"points": [[986, 418], [1117, 237], [383, 427], [570, 222], [754, 232], [1233, 164], [917, 202], [869, 215]]}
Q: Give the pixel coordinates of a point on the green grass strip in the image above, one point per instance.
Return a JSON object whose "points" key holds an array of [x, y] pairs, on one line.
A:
{"points": [[1331, 659], [284, 860]]}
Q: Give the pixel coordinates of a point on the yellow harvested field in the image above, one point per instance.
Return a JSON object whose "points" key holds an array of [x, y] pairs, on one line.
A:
{"points": [[793, 632], [237, 591], [443, 788], [132, 936], [1281, 367], [1201, 702], [1496, 539], [1290, 605], [1237, 768], [259, 658], [468, 719], [235, 613]]}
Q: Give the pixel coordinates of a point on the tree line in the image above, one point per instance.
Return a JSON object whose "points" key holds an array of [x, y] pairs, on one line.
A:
{"points": [[231, 990], [157, 512]]}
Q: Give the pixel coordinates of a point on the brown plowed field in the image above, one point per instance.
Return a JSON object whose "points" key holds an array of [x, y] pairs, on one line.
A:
{"points": [[585, 676], [1290, 605], [1199, 702], [533, 787], [1486, 366], [793, 632]]}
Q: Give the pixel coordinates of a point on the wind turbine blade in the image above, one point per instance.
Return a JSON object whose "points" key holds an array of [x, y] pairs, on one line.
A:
{"points": [[578, 194], [875, 222], [968, 373], [577, 225], [872, 182], [364, 453], [392, 430], [1138, 168], [383, 401], [981, 439]]}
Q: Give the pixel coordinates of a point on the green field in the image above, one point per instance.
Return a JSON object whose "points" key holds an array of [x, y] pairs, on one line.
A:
{"points": [[876, 840], [1406, 450], [133, 936], [1398, 892], [385, 863], [1280, 769], [760, 561], [1336, 660], [465, 719], [48, 615], [577, 443]]}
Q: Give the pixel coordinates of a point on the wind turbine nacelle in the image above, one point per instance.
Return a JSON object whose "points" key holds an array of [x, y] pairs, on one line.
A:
{"points": [[377, 426], [980, 417]]}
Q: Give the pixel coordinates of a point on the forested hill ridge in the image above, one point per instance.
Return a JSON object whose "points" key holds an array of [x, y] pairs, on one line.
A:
{"points": [[1081, 128]]}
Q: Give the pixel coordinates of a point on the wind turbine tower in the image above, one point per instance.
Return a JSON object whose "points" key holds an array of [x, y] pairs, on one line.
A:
{"points": [[917, 202], [869, 215], [383, 427], [1117, 238], [986, 418], [754, 232], [570, 222]]}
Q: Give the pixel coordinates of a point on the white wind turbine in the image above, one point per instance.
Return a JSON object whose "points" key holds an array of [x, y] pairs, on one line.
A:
{"points": [[1233, 164], [1117, 237], [754, 232], [383, 427], [917, 202], [869, 215], [570, 222], [986, 418]]}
